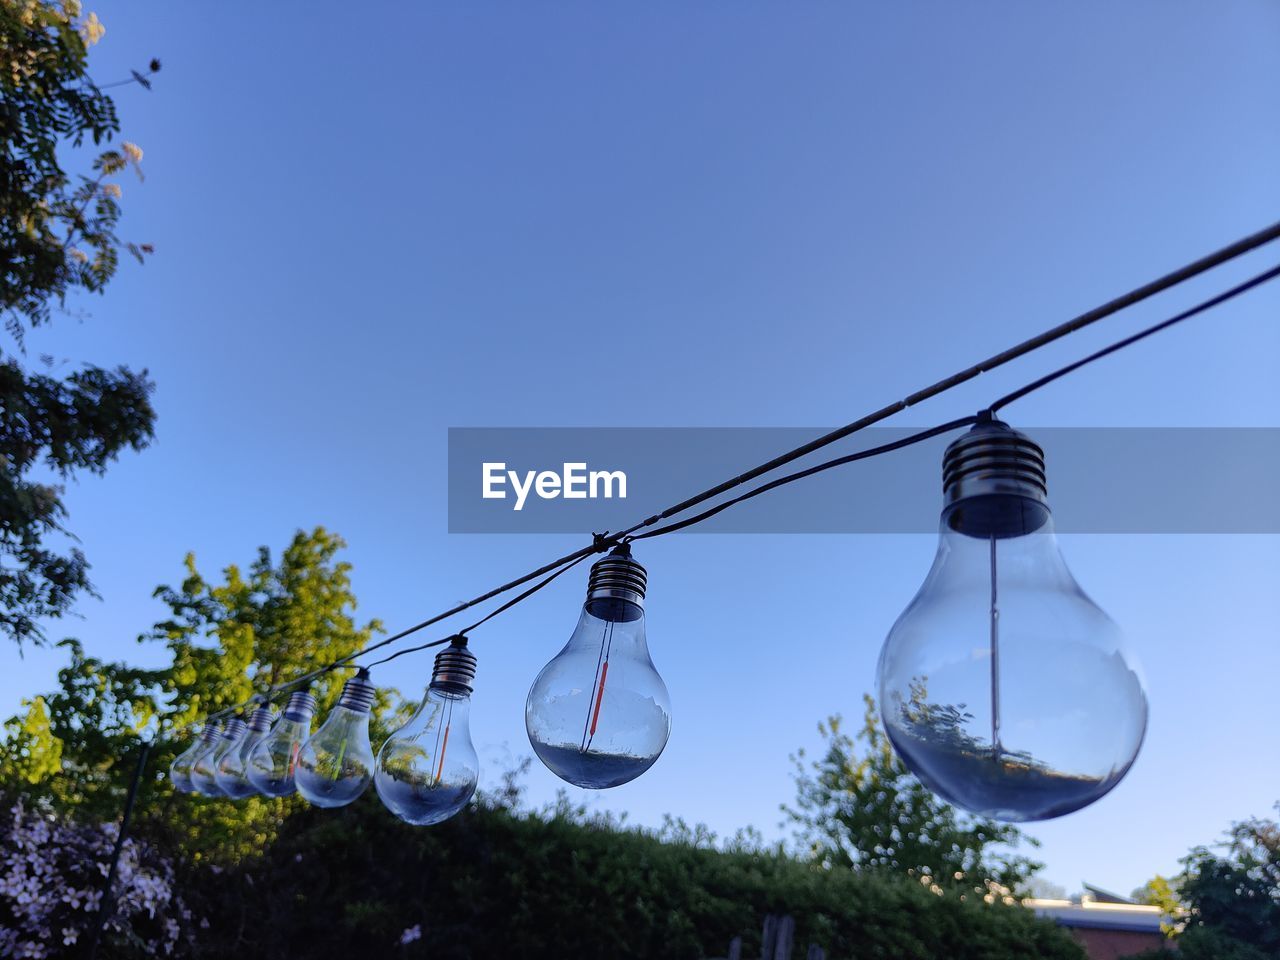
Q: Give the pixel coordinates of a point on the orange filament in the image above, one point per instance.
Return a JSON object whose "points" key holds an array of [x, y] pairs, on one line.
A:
{"points": [[595, 717], [444, 746], [293, 757]]}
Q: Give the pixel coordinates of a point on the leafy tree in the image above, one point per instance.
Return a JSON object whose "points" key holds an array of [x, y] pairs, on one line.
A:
{"points": [[30, 753], [858, 807], [57, 235], [1161, 892], [1230, 894], [1233, 892], [226, 641]]}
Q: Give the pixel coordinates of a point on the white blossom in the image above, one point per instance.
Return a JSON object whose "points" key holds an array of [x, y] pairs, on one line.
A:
{"points": [[51, 875]]}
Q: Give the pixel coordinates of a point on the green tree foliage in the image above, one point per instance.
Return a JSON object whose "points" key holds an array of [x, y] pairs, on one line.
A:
{"points": [[1160, 892], [30, 752], [1233, 893], [496, 883], [57, 235], [225, 642], [859, 807], [1231, 896]]}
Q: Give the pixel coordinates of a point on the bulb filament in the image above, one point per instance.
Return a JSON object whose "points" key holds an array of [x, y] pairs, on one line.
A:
{"points": [[595, 717], [443, 747], [996, 749], [337, 764], [443, 744], [602, 671]]}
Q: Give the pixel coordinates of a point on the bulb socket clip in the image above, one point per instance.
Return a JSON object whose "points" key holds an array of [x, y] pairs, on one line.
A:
{"points": [[994, 482]]}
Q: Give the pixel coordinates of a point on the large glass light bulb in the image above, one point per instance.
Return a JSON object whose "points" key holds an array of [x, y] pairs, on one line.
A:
{"points": [[1003, 687], [231, 773], [427, 770], [180, 768], [271, 762], [598, 714], [204, 770], [336, 764]]}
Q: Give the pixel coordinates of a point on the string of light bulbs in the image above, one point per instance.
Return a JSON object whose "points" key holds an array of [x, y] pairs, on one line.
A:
{"points": [[602, 541], [598, 714]]}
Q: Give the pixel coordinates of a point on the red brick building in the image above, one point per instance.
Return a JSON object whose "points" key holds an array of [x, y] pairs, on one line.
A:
{"points": [[1107, 926]]}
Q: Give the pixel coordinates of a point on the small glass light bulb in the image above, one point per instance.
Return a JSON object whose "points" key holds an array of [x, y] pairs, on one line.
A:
{"points": [[336, 764], [1003, 687], [427, 770], [598, 714], [204, 770], [180, 769], [271, 762], [232, 773]]}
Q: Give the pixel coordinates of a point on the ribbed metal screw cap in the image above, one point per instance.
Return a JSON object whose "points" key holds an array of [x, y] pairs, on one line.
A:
{"points": [[994, 482], [260, 722], [617, 577], [234, 729], [211, 732], [300, 707], [358, 693], [455, 668]]}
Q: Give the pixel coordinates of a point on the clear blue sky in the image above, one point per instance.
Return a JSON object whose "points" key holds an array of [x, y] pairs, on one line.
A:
{"points": [[373, 224]]}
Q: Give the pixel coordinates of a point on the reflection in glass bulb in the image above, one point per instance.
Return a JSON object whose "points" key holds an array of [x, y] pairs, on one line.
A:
{"points": [[271, 762], [336, 764], [204, 769], [598, 714], [231, 772], [427, 770], [180, 769], [1003, 687]]}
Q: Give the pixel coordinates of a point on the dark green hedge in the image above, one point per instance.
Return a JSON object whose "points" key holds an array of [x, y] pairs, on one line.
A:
{"points": [[492, 884]]}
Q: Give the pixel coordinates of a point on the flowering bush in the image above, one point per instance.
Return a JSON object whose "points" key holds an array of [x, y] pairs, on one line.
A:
{"points": [[51, 876]]}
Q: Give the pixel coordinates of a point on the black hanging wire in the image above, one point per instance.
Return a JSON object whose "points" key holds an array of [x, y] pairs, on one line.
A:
{"points": [[106, 904], [462, 634], [1018, 394], [1199, 308], [603, 542], [802, 474]]}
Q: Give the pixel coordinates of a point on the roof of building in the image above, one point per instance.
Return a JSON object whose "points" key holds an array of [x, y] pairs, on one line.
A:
{"points": [[1093, 914]]}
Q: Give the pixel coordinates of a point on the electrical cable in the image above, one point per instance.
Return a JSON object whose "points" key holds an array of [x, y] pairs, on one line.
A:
{"points": [[966, 421], [462, 634], [1140, 335], [800, 475], [603, 541]]}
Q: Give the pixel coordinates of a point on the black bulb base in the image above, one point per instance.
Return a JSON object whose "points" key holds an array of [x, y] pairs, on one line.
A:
{"points": [[994, 483]]}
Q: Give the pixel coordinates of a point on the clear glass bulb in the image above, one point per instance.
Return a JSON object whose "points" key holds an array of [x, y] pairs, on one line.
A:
{"points": [[1003, 687], [598, 714], [204, 769], [271, 762], [232, 772], [180, 768], [428, 769], [335, 765]]}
